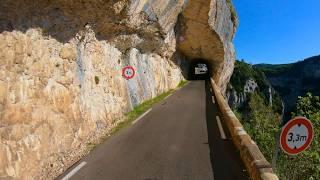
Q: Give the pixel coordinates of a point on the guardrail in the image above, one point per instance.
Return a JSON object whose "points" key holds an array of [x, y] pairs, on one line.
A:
{"points": [[257, 165]]}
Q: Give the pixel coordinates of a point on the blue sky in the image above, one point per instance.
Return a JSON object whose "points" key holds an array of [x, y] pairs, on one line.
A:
{"points": [[277, 31]]}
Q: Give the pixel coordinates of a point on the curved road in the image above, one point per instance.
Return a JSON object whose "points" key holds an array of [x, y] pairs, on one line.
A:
{"points": [[178, 139]]}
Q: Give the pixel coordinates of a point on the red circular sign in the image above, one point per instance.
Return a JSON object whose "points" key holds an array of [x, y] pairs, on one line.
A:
{"points": [[296, 136], [128, 72]]}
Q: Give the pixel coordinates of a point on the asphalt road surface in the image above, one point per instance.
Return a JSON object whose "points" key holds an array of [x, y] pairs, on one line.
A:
{"points": [[179, 139]]}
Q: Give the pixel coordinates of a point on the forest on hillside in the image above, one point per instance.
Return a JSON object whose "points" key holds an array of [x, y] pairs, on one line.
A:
{"points": [[262, 121]]}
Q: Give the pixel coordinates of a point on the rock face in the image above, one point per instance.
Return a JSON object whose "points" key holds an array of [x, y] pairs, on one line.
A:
{"points": [[293, 80], [61, 85], [237, 99], [247, 80], [206, 32]]}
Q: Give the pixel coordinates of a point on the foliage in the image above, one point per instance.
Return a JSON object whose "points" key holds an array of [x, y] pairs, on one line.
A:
{"points": [[294, 69], [243, 72], [130, 117], [139, 110], [261, 123], [271, 69], [133, 115], [307, 164], [182, 83], [96, 79]]}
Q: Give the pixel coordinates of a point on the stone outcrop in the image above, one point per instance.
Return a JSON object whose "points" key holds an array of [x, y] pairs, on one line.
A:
{"points": [[237, 99], [297, 80], [206, 32], [60, 72]]}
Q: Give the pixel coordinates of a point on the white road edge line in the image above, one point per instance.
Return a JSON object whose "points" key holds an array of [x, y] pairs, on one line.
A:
{"points": [[140, 117], [223, 135], [213, 100], [74, 171], [167, 96]]}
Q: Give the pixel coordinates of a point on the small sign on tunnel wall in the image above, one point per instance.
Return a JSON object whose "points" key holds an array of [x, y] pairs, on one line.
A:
{"points": [[128, 72]]}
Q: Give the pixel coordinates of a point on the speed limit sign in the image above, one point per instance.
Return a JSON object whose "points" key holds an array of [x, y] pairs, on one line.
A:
{"points": [[296, 136], [128, 72]]}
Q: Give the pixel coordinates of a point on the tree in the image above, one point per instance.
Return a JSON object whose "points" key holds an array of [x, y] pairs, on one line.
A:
{"points": [[261, 124], [307, 164]]}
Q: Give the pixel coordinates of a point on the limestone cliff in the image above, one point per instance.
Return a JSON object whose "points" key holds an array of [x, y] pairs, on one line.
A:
{"points": [[60, 70], [206, 32], [293, 80], [246, 81]]}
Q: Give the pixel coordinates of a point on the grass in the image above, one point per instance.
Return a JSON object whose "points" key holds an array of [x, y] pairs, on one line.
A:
{"points": [[134, 114], [139, 110], [182, 83]]}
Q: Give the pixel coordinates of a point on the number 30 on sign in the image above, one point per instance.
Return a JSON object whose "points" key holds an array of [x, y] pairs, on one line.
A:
{"points": [[296, 136]]}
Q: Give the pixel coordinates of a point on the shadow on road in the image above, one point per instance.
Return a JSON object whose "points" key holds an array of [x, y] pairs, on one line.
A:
{"points": [[225, 159]]}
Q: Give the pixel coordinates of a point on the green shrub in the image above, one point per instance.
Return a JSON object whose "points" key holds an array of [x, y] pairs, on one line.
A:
{"points": [[307, 164], [261, 123], [96, 79]]}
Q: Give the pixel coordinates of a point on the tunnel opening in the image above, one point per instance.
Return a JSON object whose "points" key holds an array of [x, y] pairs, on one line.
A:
{"points": [[199, 69]]}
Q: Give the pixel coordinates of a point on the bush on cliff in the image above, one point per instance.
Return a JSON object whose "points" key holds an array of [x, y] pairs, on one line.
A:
{"points": [[262, 124]]}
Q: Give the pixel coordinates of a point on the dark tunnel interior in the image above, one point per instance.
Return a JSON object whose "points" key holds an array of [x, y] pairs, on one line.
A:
{"points": [[199, 69]]}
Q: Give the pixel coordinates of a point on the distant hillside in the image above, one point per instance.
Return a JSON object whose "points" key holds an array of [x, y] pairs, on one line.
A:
{"points": [[256, 104], [273, 69], [293, 80], [252, 96], [247, 80]]}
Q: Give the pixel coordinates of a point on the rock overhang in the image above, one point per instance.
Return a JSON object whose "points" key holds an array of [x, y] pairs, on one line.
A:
{"points": [[48, 45], [205, 31]]}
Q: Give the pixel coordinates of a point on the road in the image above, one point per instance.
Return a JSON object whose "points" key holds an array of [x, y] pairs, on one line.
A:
{"points": [[178, 139]]}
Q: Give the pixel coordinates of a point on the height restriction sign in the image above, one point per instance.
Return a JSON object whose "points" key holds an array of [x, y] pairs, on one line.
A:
{"points": [[296, 136]]}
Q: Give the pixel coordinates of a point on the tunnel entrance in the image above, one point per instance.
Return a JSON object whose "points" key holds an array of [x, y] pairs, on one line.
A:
{"points": [[200, 69]]}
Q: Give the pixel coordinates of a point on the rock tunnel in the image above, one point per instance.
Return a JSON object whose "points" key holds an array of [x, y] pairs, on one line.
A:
{"points": [[203, 40]]}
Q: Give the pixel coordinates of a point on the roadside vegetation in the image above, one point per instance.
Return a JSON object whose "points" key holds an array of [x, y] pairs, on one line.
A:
{"points": [[274, 70], [243, 72], [262, 121], [182, 83], [138, 111], [307, 164], [263, 125], [134, 114]]}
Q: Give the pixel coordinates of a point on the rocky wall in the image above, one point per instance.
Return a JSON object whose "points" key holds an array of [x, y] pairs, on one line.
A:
{"points": [[61, 85]]}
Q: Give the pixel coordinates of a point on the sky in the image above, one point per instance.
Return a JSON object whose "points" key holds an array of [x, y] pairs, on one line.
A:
{"points": [[277, 31]]}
